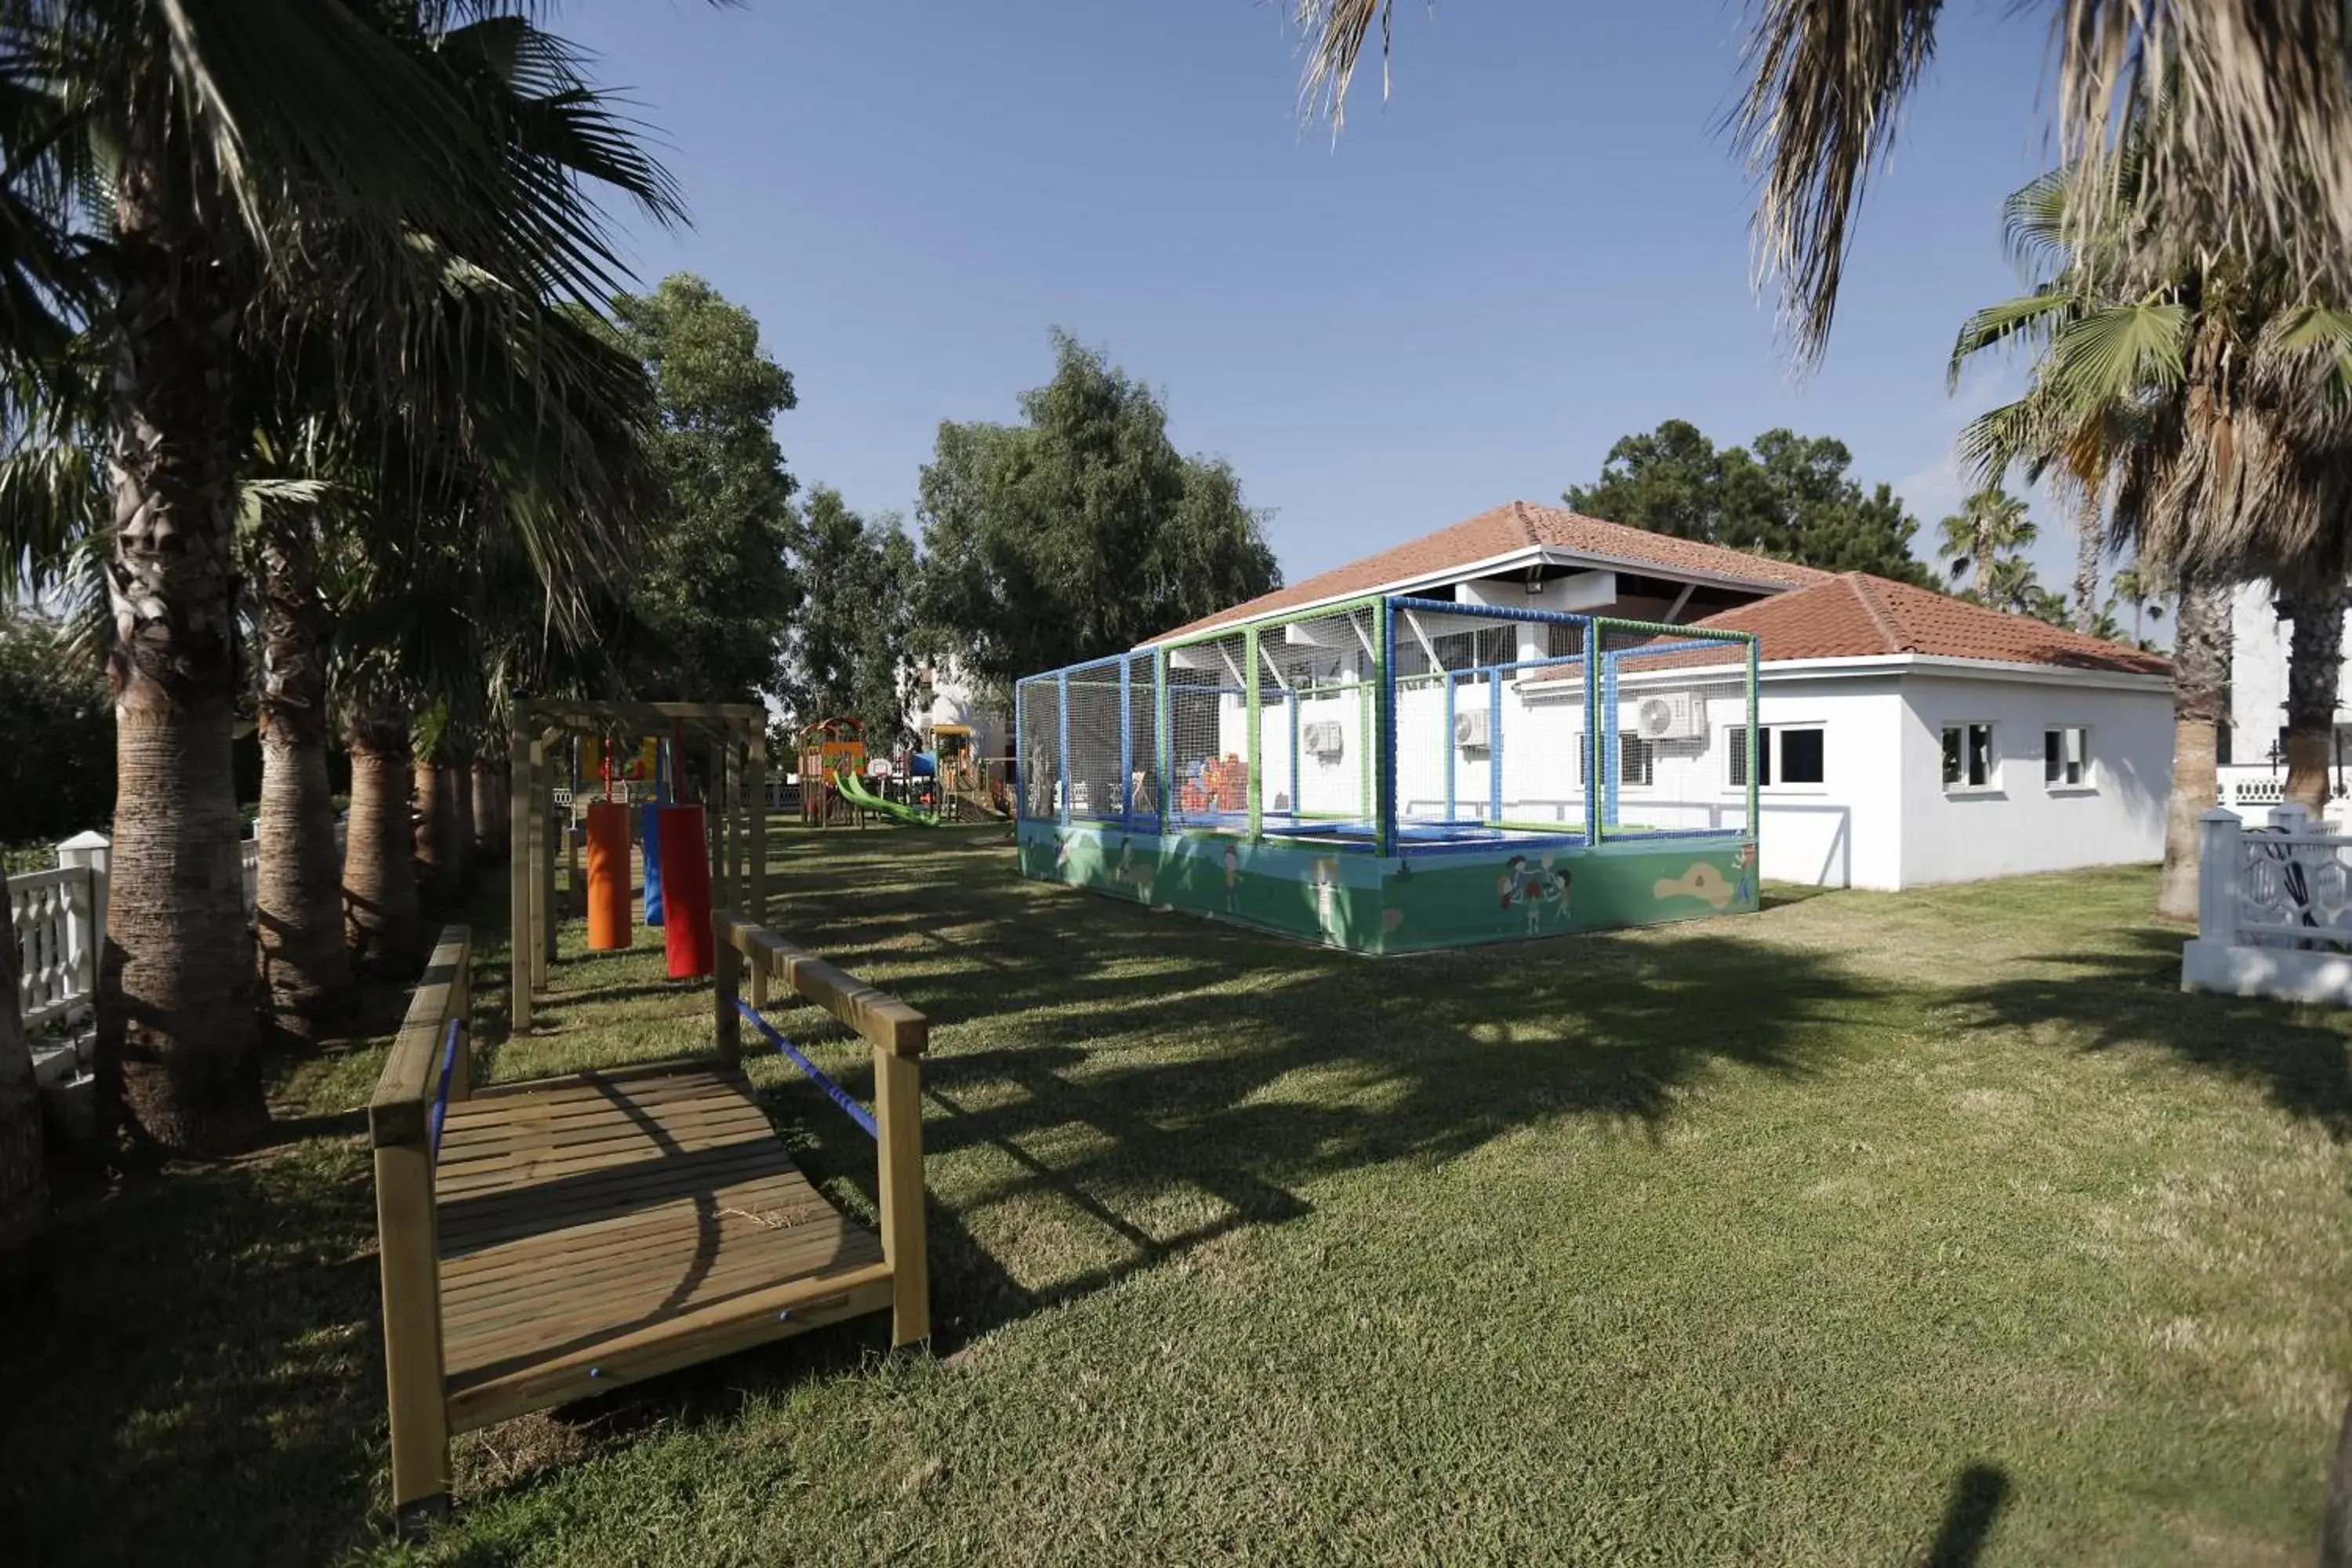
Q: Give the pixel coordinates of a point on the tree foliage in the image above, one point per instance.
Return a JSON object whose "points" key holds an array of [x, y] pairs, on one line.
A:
{"points": [[851, 641], [717, 591], [1790, 498], [56, 772], [1080, 531]]}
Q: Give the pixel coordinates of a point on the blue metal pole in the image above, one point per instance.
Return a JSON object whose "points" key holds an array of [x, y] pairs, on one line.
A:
{"points": [[1290, 700], [1062, 762], [1611, 760], [1162, 746], [1494, 746], [833, 1091], [1446, 739]]}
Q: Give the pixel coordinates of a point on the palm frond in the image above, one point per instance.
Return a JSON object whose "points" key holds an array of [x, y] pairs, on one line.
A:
{"points": [[1335, 31], [2118, 352], [2031, 317], [1827, 83]]}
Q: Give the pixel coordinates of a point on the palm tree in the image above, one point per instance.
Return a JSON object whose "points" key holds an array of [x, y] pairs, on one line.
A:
{"points": [[2130, 587], [2260, 157], [1989, 527], [164, 179]]}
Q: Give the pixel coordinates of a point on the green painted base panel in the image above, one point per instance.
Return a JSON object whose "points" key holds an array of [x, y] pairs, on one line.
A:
{"points": [[1371, 903]]}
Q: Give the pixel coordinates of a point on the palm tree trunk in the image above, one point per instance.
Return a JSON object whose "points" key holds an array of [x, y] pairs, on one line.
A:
{"points": [[379, 877], [437, 870], [2314, 673], [483, 791], [2088, 543], [24, 1175], [176, 1022], [464, 833], [2201, 673], [306, 969]]}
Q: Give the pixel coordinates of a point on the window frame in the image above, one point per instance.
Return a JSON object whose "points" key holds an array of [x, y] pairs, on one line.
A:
{"points": [[1961, 786], [1769, 773], [2086, 781]]}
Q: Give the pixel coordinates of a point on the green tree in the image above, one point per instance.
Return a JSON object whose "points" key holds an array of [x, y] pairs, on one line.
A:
{"points": [[56, 772], [716, 589], [1791, 498], [851, 648], [1080, 531]]}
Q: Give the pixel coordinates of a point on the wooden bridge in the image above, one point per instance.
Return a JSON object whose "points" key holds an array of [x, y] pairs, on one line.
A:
{"points": [[547, 1240]]}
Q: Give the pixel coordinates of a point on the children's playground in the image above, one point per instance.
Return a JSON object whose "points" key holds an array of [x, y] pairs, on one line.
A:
{"points": [[1864, 1225], [1394, 773], [938, 782]]}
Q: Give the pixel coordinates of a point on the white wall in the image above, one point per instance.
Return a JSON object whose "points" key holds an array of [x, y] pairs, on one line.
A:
{"points": [[2021, 823], [2257, 673]]}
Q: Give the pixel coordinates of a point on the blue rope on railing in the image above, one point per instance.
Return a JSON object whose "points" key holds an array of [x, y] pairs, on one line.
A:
{"points": [[448, 1067], [834, 1091]]}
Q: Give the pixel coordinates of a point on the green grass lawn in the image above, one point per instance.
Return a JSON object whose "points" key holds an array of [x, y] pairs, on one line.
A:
{"points": [[1865, 1227]]}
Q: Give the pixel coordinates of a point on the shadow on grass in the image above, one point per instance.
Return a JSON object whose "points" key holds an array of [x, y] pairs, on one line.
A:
{"points": [[2132, 997], [1977, 1494], [200, 1372]]}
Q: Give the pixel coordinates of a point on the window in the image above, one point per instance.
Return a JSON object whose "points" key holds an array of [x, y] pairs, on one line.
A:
{"points": [[1637, 760], [1969, 760], [1785, 753], [2066, 756]]}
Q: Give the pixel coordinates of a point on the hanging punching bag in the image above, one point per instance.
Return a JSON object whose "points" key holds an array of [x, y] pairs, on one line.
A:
{"points": [[608, 876], [686, 892], [649, 831]]}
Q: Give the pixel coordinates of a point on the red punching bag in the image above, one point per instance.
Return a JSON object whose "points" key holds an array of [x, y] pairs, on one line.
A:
{"points": [[686, 892]]}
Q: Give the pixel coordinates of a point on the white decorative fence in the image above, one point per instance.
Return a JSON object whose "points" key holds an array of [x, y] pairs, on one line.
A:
{"points": [[2273, 912], [58, 920]]}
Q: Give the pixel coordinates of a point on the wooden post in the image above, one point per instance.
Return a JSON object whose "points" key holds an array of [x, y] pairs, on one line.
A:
{"points": [[755, 904], [412, 1371], [726, 973], [517, 879], [898, 1157]]}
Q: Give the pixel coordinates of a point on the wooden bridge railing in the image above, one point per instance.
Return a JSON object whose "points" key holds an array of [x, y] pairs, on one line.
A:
{"points": [[429, 1067], [899, 1034]]}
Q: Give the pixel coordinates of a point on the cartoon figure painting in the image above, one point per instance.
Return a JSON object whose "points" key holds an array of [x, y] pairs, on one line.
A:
{"points": [[1323, 878], [1743, 888], [1701, 882], [1233, 880], [1539, 890], [1134, 873]]}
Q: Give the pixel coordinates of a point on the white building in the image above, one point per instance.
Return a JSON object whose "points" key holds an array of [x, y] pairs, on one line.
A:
{"points": [[1907, 737], [2258, 657]]}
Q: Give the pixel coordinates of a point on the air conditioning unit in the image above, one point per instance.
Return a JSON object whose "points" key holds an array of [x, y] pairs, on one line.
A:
{"points": [[1470, 729], [1323, 739], [1670, 716]]}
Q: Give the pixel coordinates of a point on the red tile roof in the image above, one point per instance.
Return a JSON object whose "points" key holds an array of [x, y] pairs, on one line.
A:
{"points": [[1517, 526], [1857, 615]]}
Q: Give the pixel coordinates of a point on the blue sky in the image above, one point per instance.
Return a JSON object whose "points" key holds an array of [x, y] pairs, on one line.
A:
{"points": [[1538, 245]]}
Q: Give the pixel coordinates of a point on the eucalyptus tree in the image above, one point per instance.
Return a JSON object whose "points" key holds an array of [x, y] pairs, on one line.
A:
{"points": [[170, 171]]}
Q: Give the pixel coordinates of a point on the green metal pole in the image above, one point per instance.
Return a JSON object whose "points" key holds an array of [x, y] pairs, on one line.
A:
{"points": [[1254, 704]]}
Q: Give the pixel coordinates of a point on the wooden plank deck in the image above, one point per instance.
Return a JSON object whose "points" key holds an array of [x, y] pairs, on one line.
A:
{"points": [[600, 1229]]}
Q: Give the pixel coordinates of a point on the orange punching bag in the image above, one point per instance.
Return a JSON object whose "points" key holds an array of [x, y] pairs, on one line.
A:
{"points": [[686, 892], [608, 876]]}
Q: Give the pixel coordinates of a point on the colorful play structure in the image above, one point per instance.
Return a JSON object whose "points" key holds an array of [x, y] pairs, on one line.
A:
{"points": [[545, 1241], [842, 784], [1393, 773]]}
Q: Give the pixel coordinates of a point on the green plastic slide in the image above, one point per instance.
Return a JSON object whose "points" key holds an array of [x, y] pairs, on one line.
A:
{"points": [[853, 791]]}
